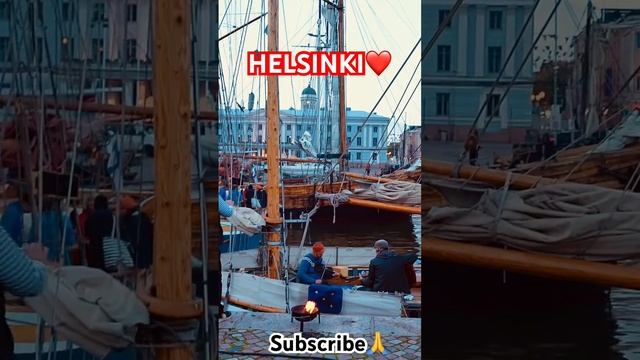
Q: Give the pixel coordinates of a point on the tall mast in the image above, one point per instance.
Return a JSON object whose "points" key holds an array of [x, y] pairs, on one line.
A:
{"points": [[341, 93], [172, 228], [585, 73], [273, 219]]}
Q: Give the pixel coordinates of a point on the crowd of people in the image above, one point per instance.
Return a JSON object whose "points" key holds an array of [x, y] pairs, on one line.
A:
{"points": [[244, 195]]}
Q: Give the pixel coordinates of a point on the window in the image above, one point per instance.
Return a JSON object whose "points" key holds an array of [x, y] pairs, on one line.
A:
{"points": [[67, 11], [359, 141], [375, 141], [349, 128], [99, 12], [442, 16], [309, 128], [288, 127], [67, 48], [5, 11], [260, 138], [359, 128], [329, 128], [96, 49], [374, 156], [39, 4], [288, 139], [4, 48], [375, 129], [493, 102], [495, 59], [259, 126], [442, 104], [329, 140], [299, 128], [444, 58], [39, 49], [608, 87], [348, 139], [495, 20], [358, 156], [132, 48], [132, 12]]}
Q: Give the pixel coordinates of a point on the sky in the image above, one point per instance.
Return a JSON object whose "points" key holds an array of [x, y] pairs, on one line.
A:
{"points": [[369, 25], [569, 25]]}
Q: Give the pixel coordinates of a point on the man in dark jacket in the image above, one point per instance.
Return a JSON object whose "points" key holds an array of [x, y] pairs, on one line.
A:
{"points": [[387, 270], [136, 228], [99, 225]]}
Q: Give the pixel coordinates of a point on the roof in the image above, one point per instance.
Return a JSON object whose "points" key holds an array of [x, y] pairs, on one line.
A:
{"points": [[308, 91]]}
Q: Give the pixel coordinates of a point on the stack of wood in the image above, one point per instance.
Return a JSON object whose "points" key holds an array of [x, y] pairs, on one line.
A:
{"points": [[404, 175], [611, 170]]}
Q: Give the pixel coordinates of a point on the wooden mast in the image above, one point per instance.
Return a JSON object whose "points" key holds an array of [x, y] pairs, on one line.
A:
{"points": [[274, 220], [341, 93], [172, 111]]}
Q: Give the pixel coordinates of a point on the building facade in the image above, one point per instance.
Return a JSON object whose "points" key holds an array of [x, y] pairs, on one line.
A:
{"points": [[459, 71], [410, 141], [245, 130], [59, 35], [614, 56]]}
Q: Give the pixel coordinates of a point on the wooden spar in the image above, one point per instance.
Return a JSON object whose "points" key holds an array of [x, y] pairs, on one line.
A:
{"points": [[273, 219], [384, 206], [284, 159], [341, 94], [145, 112], [531, 264], [373, 178], [172, 226], [493, 177]]}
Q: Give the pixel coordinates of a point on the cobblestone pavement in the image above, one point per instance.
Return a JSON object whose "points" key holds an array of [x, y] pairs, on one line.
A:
{"points": [[249, 332], [257, 341]]}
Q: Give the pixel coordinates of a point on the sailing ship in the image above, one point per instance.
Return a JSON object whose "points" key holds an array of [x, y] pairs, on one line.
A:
{"points": [[495, 228], [168, 297], [258, 279]]}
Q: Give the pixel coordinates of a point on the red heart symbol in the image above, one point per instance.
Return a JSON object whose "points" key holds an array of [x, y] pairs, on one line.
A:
{"points": [[378, 62]]}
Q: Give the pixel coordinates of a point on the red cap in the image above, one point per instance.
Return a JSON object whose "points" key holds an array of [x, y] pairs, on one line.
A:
{"points": [[318, 247]]}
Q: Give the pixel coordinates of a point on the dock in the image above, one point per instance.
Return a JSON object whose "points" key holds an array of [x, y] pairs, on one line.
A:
{"points": [[248, 332]]}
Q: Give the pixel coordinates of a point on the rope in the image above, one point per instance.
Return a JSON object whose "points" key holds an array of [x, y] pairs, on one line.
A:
{"points": [[335, 200], [307, 218]]}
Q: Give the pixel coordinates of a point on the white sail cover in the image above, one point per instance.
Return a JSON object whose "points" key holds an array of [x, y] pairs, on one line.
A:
{"points": [[572, 220], [268, 292]]}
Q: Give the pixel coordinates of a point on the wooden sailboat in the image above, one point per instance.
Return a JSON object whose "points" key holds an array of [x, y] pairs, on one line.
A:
{"points": [[267, 293]]}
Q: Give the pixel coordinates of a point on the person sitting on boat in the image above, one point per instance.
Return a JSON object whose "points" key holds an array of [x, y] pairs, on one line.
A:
{"points": [[235, 195], [312, 268], [20, 276], [388, 271]]}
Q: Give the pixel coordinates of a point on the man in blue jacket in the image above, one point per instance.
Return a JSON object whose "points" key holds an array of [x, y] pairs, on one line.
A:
{"points": [[312, 268]]}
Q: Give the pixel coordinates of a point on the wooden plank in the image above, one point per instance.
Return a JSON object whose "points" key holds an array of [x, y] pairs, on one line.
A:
{"points": [[493, 177], [413, 210], [172, 253], [546, 266]]}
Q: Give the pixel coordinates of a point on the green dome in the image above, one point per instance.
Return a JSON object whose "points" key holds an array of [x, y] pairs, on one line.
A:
{"points": [[308, 91]]}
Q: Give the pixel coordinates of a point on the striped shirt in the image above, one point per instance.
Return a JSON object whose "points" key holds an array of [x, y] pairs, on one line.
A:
{"points": [[19, 275]]}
